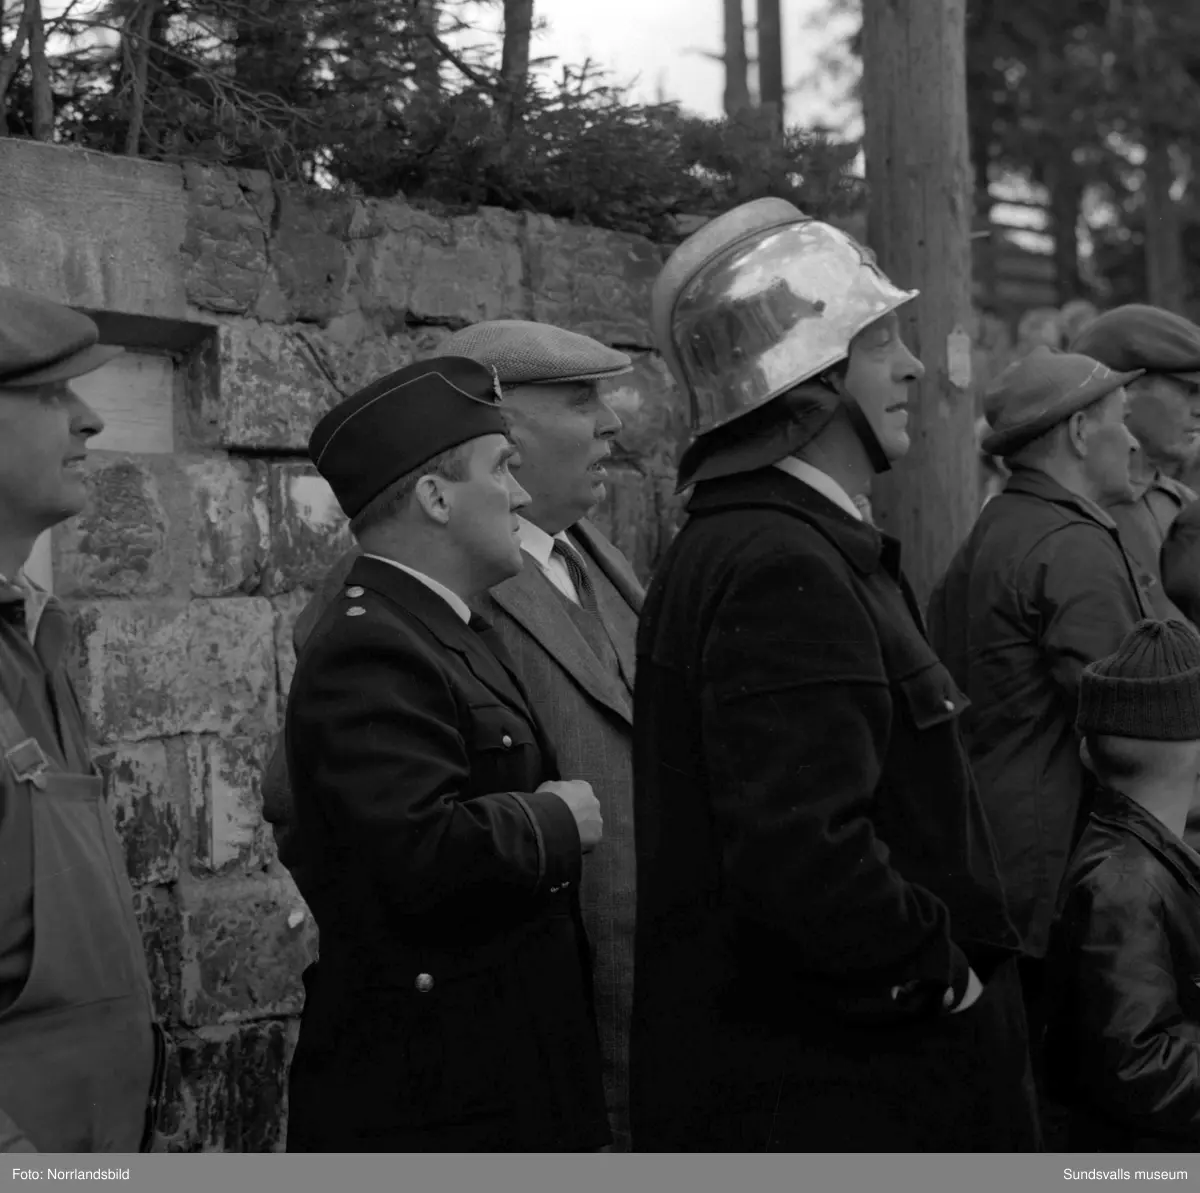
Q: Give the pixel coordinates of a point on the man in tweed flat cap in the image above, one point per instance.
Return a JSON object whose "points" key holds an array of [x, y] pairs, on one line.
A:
{"points": [[569, 620], [1164, 416]]}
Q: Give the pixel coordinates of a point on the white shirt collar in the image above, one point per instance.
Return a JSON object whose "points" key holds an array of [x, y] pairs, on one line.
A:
{"points": [[824, 484], [451, 598], [36, 600], [537, 542]]}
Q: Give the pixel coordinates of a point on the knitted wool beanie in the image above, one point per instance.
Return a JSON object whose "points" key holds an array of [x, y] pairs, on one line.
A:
{"points": [[1149, 689]]}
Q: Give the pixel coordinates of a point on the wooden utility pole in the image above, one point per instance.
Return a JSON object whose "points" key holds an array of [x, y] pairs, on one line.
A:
{"points": [[737, 82], [770, 58], [919, 223]]}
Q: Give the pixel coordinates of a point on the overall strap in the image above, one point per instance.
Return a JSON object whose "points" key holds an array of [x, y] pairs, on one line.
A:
{"points": [[19, 752]]}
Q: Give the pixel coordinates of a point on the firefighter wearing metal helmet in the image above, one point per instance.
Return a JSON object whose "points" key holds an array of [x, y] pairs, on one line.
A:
{"points": [[824, 961]]}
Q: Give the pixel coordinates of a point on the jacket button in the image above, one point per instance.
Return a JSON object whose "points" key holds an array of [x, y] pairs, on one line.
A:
{"points": [[948, 998], [424, 983], [506, 742], [354, 593], [949, 705]]}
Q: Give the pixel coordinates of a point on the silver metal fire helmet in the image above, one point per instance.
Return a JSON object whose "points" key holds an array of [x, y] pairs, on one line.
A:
{"points": [[760, 300]]}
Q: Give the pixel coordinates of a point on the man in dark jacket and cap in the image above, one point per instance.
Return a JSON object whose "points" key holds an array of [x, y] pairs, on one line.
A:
{"points": [[1164, 416], [823, 959], [450, 1008], [81, 1057], [1040, 588], [1123, 1044]]}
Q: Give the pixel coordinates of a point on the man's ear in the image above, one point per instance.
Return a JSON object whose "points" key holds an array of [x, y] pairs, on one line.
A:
{"points": [[1077, 433], [432, 494]]}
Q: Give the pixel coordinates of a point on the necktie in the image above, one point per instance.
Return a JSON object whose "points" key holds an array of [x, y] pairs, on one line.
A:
{"points": [[578, 572]]}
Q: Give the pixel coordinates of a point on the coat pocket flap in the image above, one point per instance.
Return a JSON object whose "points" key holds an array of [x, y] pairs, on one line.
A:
{"points": [[495, 727], [932, 697]]}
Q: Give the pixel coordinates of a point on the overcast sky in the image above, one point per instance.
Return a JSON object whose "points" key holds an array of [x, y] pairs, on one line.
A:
{"points": [[660, 44]]}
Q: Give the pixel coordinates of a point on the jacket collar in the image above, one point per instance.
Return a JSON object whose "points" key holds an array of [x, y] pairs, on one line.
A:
{"points": [[1032, 482], [863, 546], [435, 614], [1118, 812]]}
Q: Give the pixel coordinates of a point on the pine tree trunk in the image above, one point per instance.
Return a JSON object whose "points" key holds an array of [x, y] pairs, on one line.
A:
{"points": [[1066, 201], [1164, 233], [39, 68], [737, 81], [919, 218], [514, 60], [770, 58], [10, 63]]}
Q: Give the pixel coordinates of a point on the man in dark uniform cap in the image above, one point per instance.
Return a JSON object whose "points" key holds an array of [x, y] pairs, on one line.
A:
{"points": [[80, 1056], [1164, 416], [450, 1009]]}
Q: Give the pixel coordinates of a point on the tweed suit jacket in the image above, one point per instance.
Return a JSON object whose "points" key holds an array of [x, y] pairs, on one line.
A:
{"points": [[588, 717]]}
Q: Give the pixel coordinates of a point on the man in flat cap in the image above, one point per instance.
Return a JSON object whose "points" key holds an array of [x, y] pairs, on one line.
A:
{"points": [[569, 621], [1040, 589], [823, 959], [1164, 416], [81, 1058], [450, 1008]]}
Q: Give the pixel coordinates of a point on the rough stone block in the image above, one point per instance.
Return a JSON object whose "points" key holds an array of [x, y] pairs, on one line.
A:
{"points": [[145, 809], [436, 268], [309, 531], [590, 280], [117, 546], [287, 609], [271, 389], [225, 786], [246, 943], [92, 229], [228, 1089], [158, 914], [355, 349], [160, 670], [225, 247], [310, 256], [228, 500]]}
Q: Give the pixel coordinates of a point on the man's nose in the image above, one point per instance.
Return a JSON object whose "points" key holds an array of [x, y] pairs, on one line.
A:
{"points": [[517, 497], [608, 424], [912, 368], [85, 422]]}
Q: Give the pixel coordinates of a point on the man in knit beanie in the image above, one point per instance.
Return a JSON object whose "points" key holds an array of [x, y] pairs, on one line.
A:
{"points": [[1123, 1035]]}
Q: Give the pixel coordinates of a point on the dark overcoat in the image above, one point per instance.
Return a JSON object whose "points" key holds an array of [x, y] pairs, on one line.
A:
{"points": [[1041, 588], [450, 1009], [814, 872]]}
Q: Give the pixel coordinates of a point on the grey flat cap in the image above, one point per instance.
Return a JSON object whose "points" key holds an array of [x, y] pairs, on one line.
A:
{"points": [[526, 353], [44, 342]]}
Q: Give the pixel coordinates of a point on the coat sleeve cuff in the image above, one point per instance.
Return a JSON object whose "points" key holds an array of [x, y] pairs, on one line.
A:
{"points": [[560, 856]]}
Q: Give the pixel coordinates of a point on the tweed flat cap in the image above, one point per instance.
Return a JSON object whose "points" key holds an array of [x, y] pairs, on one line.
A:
{"points": [[397, 423], [1042, 390], [1143, 337], [527, 353], [42, 342]]}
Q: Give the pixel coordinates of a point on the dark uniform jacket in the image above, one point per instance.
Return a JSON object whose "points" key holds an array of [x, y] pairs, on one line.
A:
{"points": [[450, 1008], [1040, 588], [814, 873], [1123, 1042], [1143, 524]]}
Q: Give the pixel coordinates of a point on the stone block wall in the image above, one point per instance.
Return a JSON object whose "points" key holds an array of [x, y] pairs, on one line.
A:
{"points": [[246, 312]]}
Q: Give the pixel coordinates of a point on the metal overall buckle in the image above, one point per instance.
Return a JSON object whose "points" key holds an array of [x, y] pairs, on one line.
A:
{"points": [[28, 762]]}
